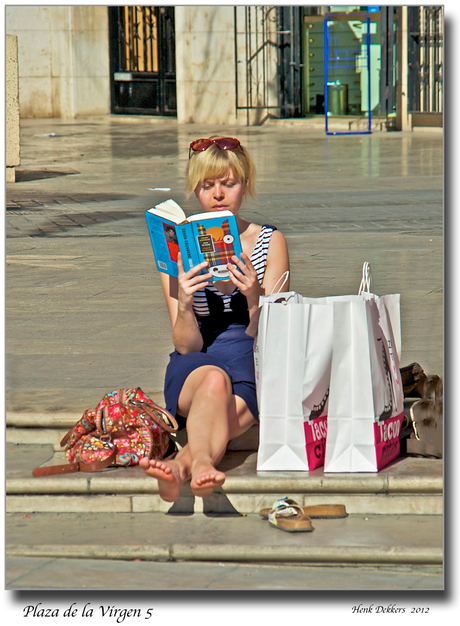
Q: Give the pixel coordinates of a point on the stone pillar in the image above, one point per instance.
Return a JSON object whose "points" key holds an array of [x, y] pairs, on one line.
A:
{"points": [[403, 117], [205, 67], [12, 108]]}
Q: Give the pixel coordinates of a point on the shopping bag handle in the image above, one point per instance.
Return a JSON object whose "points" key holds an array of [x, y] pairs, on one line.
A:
{"points": [[285, 276], [366, 281]]}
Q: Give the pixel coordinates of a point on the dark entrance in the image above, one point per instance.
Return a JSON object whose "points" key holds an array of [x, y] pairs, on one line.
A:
{"points": [[142, 60], [425, 56]]}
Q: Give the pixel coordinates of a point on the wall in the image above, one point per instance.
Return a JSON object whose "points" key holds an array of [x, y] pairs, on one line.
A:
{"points": [[63, 59], [64, 68], [205, 67], [205, 64], [12, 108]]}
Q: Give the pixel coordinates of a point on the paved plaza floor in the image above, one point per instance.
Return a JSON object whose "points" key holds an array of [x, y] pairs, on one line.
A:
{"points": [[84, 309]]}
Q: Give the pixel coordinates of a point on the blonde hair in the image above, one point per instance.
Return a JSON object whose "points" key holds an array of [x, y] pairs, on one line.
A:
{"points": [[215, 163]]}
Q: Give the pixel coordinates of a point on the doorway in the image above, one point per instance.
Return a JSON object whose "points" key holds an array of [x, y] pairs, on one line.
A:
{"points": [[142, 60]]}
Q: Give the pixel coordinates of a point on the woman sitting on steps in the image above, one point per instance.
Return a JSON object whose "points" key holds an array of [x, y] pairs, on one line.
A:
{"points": [[210, 377]]}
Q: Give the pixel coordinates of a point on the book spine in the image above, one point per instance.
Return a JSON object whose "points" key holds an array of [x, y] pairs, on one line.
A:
{"points": [[187, 246]]}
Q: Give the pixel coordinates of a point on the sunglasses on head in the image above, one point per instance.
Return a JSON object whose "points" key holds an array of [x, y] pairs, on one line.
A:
{"points": [[224, 143]]}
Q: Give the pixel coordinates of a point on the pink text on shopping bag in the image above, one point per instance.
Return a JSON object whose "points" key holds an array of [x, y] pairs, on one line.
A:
{"points": [[315, 441], [387, 443]]}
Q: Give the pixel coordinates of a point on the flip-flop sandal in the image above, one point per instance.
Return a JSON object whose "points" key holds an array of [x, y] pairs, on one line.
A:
{"points": [[315, 511], [289, 518]]}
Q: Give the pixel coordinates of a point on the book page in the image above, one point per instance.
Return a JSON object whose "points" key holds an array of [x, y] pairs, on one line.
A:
{"points": [[170, 210], [208, 215]]}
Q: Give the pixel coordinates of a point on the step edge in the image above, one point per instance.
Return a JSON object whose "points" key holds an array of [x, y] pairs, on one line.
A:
{"points": [[238, 553], [46, 504], [242, 486]]}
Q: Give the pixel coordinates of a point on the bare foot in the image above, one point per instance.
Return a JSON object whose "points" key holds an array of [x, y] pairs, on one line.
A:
{"points": [[205, 479], [168, 474]]}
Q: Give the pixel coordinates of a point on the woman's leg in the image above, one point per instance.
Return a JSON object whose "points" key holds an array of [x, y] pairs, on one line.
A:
{"points": [[214, 416]]}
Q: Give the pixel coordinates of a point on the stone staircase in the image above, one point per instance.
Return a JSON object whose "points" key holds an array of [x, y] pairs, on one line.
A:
{"points": [[341, 123], [395, 515]]}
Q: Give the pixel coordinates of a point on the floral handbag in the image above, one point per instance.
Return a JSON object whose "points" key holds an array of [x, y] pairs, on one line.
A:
{"points": [[124, 427]]}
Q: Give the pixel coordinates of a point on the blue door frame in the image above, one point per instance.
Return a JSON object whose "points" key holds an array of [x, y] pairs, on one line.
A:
{"points": [[326, 77]]}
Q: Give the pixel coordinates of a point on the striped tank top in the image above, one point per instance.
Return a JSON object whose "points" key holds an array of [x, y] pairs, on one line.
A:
{"points": [[204, 297]]}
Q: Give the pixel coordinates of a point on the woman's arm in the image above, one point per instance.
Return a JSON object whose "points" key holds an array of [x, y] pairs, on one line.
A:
{"points": [[178, 293], [246, 279], [277, 264]]}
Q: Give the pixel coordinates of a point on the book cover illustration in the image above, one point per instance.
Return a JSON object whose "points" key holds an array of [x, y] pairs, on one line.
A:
{"points": [[171, 241], [216, 245], [211, 237]]}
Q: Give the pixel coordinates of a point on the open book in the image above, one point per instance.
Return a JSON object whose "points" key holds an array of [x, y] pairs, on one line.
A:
{"points": [[211, 237]]}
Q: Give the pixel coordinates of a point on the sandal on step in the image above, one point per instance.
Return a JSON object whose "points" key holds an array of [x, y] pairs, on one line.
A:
{"points": [[315, 511], [289, 517]]}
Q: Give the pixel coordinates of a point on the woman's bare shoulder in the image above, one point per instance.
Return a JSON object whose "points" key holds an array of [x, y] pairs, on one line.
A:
{"points": [[278, 240], [249, 237]]}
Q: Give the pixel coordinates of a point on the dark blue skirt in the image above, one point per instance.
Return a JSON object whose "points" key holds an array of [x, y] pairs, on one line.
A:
{"points": [[232, 351]]}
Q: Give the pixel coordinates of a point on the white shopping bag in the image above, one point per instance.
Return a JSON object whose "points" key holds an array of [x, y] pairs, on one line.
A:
{"points": [[292, 356], [366, 401]]}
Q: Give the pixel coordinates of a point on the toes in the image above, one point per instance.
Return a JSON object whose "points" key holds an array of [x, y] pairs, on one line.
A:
{"points": [[208, 480], [156, 468], [158, 465]]}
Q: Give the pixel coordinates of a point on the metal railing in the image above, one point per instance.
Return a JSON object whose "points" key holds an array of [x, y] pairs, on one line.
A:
{"points": [[425, 57], [268, 59], [138, 39]]}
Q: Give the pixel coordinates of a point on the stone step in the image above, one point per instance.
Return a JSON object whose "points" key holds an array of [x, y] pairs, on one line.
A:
{"points": [[43, 573], [49, 429], [379, 540], [395, 516], [342, 123], [409, 486]]}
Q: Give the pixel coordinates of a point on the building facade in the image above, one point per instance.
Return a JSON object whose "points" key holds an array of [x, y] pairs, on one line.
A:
{"points": [[230, 64]]}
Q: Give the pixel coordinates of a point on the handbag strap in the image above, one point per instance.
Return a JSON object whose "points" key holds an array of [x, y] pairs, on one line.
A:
{"points": [[283, 278], [166, 421], [79, 466], [365, 287]]}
